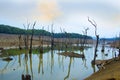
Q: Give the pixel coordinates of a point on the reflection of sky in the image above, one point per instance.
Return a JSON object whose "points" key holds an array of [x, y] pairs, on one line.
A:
{"points": [[68, 14]]}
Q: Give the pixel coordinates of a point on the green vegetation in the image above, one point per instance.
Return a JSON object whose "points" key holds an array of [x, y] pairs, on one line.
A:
{"points": [[13, 30], [70, 35], [13, 52]]}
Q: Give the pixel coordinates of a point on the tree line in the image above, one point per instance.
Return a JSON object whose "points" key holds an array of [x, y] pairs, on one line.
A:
{"points": [[13, 30]]}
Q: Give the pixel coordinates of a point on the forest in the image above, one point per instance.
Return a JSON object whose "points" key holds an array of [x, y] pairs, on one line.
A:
{"points": [[13, 30]]}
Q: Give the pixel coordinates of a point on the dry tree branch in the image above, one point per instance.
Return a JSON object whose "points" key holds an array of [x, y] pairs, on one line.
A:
{"points": [[97, 36], [94, 24]]}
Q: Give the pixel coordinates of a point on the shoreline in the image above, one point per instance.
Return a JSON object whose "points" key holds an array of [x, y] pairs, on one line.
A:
{"points": [[111, 71]]}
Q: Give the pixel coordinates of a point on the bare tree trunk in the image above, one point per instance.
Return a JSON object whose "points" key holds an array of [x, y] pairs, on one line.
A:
{"points": [[20, 42], [40, 44], [26, 36], [95, 54], [25, 43], [41, 41], [30, 51], [61, 41], [84, 39], [103, 45], [97, 37], [52, 38], [66, 41]]}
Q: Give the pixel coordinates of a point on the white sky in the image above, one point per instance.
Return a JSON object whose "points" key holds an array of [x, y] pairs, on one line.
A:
{"points": [[70, 15]]}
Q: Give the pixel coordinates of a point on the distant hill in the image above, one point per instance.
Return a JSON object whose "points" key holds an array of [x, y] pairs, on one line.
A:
{"points": [[110, 39], [6, 29], [13, 30]]}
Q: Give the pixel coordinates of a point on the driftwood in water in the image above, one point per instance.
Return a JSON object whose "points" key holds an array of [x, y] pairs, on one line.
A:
{"points": [[26, 77], [72, 54], [100, 63], [7, 59]]}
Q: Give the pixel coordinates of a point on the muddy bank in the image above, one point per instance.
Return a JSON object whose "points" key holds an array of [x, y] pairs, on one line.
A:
{"points": [[72, 54], [111, 72]]}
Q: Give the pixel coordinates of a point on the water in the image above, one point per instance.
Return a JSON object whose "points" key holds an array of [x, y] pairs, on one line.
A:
{"points": [[51, 66]]}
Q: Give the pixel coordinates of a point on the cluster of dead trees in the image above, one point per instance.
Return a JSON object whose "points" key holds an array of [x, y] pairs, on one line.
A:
{"points": [[26, 38], [65, 42]]}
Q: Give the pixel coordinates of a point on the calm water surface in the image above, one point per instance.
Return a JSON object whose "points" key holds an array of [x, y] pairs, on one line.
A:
{"points": [[51, 66]]}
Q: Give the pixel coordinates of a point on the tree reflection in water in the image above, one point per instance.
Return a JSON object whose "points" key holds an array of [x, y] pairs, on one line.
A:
{"points": [[103, 55], [41, 63], [31, 69], [69, 67], [84, 60], [61, 62], [52, 60], [5, 67], [27, 76], [26, 62], [93, 66], [19, 59]]}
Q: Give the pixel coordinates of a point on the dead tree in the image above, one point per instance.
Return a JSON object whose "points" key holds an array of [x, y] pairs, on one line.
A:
{"points": [[97, 37], [48, 39], [52, 37], [20, 41], [66, 40], [30, 51], [61, 43], [41, 41], [85, 37], [103, 45], [26, 36]]}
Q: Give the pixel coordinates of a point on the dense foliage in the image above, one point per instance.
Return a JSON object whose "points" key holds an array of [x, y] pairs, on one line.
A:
{"points": [[70, 35], [13, 30]]}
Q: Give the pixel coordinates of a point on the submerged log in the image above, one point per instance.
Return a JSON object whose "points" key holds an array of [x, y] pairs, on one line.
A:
{"points": [[7, 59], [72, 54], [100, 63]]}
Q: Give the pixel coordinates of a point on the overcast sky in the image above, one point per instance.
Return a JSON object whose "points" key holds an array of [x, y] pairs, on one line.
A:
{"points": [[70, 15]]}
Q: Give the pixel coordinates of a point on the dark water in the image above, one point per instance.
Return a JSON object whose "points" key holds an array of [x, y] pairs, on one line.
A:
{"points": [[51, 66]]}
